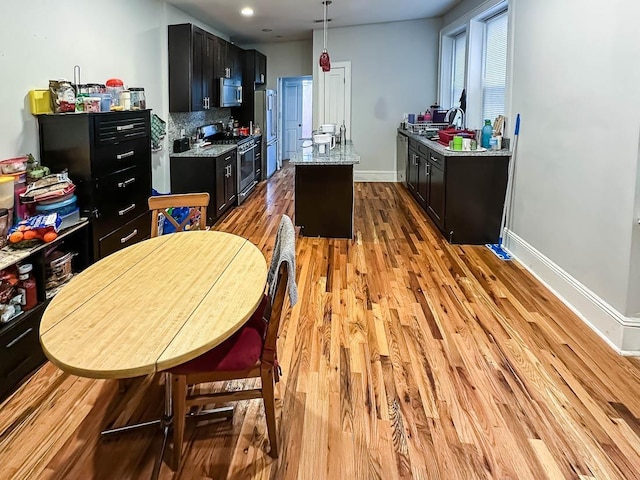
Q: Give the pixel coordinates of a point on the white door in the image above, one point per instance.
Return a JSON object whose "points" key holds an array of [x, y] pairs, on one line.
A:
{"points": [[292, 115], [335, 95]]}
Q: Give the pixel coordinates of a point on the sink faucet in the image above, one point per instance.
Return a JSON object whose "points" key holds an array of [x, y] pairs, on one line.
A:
{"points": [[450, 119]]}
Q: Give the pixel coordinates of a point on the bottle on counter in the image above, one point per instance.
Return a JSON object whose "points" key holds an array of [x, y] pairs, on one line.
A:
{"points": [[487, 133], [27, 286], [343, 134]]}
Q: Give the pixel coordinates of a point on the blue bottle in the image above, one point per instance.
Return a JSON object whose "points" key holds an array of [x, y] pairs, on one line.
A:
{"points": [[487, 132]]}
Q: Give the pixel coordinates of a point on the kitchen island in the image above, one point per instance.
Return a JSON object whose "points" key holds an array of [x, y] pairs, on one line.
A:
{"points": [[324, 190]]}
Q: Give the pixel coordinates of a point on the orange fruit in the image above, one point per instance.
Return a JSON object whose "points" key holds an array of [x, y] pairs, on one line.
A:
{"points": [[29, 235], [16, 237], [50, 236], [22, 228]]}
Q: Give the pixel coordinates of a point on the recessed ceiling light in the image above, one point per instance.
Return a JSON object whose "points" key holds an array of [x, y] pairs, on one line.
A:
{"points": [[267, 30], [246, 11]]}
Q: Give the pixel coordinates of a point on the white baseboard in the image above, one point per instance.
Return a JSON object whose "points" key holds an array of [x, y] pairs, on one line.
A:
{"points": [[374, 176], [620, 332]]}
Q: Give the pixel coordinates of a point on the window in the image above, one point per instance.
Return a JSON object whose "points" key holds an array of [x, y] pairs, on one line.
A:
{"points": [[494, 66], [473, 57], [457, 64]]}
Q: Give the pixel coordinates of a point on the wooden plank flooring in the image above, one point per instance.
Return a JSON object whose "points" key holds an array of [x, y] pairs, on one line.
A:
{"points": [[406, 357]]}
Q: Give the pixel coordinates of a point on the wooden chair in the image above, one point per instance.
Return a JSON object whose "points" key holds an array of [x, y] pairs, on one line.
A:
{"points": [[162, 203], [249, 353]]}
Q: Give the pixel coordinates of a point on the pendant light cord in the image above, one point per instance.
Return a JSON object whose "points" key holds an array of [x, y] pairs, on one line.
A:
{"points": [[325, 25]]}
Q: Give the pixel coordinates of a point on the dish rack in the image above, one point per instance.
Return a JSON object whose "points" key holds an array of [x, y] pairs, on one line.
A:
{"points": [[425, 127]]}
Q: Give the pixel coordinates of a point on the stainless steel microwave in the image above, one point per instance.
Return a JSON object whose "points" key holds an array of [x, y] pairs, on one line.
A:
{"points": [[230, 93]]}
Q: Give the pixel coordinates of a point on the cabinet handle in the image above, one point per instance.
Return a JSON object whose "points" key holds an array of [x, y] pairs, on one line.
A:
{"points": [[228, 158], [16, 340], [125, 155], [427, 169], [120, 128], [204, 102], [127, 210], [129, 237], [434, 159], [127, 182]]}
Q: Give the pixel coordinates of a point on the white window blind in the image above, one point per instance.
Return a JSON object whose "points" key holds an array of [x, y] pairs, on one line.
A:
{"points": [[494, 67], [457, 65]]}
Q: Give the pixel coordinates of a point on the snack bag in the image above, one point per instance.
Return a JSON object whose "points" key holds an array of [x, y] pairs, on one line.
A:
{"points": [[35, 230]]}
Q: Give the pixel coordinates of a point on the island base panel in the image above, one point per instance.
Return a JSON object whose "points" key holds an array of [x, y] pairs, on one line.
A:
{"points": [[324, 200]]}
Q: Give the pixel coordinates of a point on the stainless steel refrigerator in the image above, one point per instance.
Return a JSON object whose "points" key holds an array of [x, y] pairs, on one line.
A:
{"points": [[266, 115]]}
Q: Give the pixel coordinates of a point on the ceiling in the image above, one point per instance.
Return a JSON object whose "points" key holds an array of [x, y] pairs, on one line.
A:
{"points": [[294, 19]]}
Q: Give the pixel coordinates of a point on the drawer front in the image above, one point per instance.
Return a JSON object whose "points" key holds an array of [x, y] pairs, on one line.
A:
{"points": [[20, 350], [133, 232], [116, 128], [110, 158], [413, 144], [120, 197], [435, 159]]}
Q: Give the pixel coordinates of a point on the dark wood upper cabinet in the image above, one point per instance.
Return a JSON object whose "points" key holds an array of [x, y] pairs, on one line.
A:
{"points": [[255, 67], [197, 59]]}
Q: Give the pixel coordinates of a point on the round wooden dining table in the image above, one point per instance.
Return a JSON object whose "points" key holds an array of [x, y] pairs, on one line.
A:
{"points": [[154, 305]]}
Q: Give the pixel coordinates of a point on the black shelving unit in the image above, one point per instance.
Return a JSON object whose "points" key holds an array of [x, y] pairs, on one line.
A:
{"points": [[20, 350]]}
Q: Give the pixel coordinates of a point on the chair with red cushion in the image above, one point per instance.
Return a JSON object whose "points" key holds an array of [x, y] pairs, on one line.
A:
{"points": [[249, 353]]}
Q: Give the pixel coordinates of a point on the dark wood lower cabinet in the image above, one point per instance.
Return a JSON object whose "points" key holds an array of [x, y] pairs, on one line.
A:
{"points": [[217, 176], [324, 200], [463, 195]]}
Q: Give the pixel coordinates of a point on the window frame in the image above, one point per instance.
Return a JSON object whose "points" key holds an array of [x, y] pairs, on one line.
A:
{"points": [[474, 24]]}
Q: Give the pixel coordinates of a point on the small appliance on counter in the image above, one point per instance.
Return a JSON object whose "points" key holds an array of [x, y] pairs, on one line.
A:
{"points": [[181, 145]]}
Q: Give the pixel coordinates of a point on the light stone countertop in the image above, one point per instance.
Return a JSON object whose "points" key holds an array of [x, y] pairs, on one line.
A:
{"points": [[209, 151], [442, 150], [342, 154]]}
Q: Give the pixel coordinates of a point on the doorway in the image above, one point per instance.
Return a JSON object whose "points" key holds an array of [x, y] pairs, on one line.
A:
{"points": [[297, 114]]}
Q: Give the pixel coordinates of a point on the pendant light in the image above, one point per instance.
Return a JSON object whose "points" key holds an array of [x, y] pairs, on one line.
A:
{"points": [[325, 61]]}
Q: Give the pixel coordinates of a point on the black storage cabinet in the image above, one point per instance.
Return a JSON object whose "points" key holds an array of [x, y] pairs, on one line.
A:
{"points": [[108, 157]]}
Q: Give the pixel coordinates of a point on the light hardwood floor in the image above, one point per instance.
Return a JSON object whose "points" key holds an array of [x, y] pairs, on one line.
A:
{"points": [[406, 357]]}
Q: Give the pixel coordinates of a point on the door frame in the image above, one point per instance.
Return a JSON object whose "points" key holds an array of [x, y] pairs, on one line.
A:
{"points": [[347, 93], [280, 94]]}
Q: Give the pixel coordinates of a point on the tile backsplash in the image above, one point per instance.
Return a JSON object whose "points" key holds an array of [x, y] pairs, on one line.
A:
{"points": [[192, 120]]}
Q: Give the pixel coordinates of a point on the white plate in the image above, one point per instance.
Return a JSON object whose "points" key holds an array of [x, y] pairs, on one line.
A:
{"points": [[479, 149], [307, 143]]}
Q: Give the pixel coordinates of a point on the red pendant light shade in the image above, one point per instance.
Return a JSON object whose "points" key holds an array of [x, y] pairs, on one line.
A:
{"points": [[325, 61]]}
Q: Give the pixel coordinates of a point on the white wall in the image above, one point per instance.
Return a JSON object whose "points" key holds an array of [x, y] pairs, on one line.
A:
{"points": [[131, 45], [286, 59], [394, 70], [576, 197]]}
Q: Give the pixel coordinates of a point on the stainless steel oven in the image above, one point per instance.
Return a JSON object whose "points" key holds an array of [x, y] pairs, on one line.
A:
{"points": [[246, 168]]}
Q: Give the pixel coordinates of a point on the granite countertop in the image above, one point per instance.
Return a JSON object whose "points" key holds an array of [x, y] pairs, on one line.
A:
{"points": [[343, 154], [442, 150], [209, 151]]}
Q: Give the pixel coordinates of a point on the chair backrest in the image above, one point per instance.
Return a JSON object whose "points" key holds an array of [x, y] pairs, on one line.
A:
{"points": [[162, 203], [275, 315]]}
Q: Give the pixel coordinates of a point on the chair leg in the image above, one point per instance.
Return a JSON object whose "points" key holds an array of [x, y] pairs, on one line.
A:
{"points": [[268, 395], [179, 417]]}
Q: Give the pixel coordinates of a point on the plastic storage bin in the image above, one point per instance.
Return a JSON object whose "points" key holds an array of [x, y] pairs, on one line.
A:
{"points": [[40, 102], [6, 192], [70, 219], [62, 208]]}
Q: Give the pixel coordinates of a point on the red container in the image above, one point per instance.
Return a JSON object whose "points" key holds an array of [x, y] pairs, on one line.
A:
{"points": [[447, 134]]}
